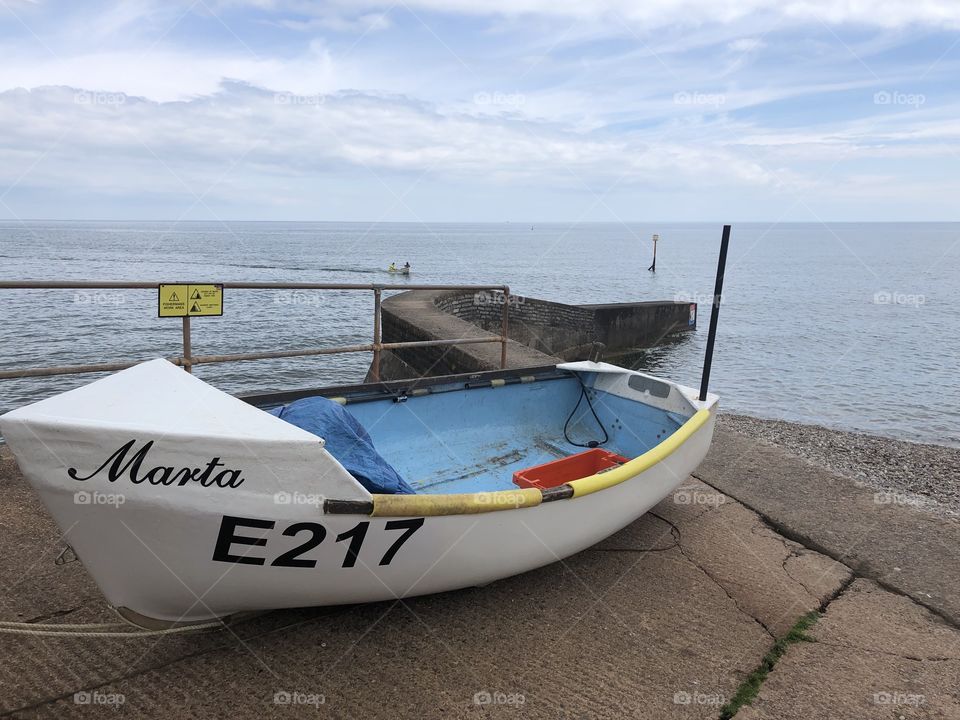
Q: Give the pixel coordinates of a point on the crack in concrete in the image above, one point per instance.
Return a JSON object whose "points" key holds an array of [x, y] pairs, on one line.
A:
{"points": [[902, 656], [793, 553], [765, 530], [60, 613], [772, 668], [859, 570], [633, 550], [638, 549], [847, 582], [675, 531]]}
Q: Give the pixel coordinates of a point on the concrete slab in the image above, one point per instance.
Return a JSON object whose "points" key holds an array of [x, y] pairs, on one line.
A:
{"points": [[664, 619], [899, 546], [30, 544], [657, 621], [876, 655], [771, 578], [602, 635]]}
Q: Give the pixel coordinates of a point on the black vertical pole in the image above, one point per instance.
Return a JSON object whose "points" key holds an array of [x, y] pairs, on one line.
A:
{"points": [[714, 313]]}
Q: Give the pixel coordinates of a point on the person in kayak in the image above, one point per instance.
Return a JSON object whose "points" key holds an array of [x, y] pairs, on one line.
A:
{"points": [[406, 267], [392, 268]]}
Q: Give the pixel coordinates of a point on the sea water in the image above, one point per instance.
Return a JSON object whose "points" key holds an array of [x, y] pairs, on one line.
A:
{"points": [[848, 325]]}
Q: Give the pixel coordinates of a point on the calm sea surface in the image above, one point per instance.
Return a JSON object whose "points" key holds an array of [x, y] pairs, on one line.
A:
{"points": [[853, 326]]}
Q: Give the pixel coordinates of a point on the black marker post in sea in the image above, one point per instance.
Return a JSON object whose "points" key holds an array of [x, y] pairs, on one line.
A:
{"points": [[653, 265]]}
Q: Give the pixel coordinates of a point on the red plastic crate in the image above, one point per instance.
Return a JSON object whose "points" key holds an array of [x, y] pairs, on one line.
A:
{"points": [[572, 467]]}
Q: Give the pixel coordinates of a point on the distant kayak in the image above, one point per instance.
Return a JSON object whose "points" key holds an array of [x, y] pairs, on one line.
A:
{"points": [[399, 271]]}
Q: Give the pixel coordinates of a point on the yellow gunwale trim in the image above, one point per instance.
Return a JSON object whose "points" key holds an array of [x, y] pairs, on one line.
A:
{"points": [[657, 454], [483, 502]]}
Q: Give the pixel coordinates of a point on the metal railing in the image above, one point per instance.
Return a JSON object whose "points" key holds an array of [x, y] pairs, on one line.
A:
{"points": [[188, 359]]}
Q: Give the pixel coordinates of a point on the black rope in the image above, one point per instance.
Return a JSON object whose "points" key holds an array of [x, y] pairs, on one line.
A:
{"points": [[584, 394]]}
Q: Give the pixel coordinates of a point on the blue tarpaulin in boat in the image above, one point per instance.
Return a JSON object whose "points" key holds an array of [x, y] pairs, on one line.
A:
{"points": [[347, 441]]}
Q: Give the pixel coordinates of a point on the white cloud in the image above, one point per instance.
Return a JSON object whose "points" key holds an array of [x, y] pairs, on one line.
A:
{"points": [[137, 145], [247, 144], [364, 23], [166, 75], [352, 98], [657, 13], [745, 45]]}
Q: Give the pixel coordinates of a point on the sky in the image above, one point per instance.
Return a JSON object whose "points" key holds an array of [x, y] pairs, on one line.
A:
{"points": [[480, 110]]}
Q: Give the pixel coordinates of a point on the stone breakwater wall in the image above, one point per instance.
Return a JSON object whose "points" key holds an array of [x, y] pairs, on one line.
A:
{"points": [[541, 332]]}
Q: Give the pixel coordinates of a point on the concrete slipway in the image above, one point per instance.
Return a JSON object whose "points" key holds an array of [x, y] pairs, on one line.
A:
{"points": [[664, 620]]}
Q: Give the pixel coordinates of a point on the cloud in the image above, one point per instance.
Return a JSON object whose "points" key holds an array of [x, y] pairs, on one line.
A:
{"points": [[123, 144], [659, 13], [365, 23], [277, 103], [166, 75], [265, 148], [745, 45]]}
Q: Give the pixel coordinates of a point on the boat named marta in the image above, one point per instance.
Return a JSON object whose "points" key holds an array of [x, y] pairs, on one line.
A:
{"points": [[186, 504]]}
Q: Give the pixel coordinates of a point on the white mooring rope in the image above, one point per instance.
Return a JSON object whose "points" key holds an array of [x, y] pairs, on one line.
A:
{"points": [[110, 630]]}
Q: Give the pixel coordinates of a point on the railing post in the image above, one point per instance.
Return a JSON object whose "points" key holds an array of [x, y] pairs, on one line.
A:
{"points": [[505, 323], [375, 367], [187, 363]]}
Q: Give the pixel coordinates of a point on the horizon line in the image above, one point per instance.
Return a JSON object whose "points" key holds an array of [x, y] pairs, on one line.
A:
{"points": [[487, 222]]}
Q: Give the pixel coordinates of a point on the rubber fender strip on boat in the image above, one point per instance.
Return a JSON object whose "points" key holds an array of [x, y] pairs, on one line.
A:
{"points": [[595, 483], [456, 504], [560, 492], [348, 507], [497, 382]]}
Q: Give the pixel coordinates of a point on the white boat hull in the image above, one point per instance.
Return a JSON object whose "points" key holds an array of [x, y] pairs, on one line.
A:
{"points": [[179, 545]]}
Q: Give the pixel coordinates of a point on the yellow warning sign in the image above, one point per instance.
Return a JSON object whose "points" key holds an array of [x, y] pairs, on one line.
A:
{"points": [[181, 300]]}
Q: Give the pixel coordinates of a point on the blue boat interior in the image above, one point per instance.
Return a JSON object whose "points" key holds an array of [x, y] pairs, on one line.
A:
{"points": [[460, 440]]}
